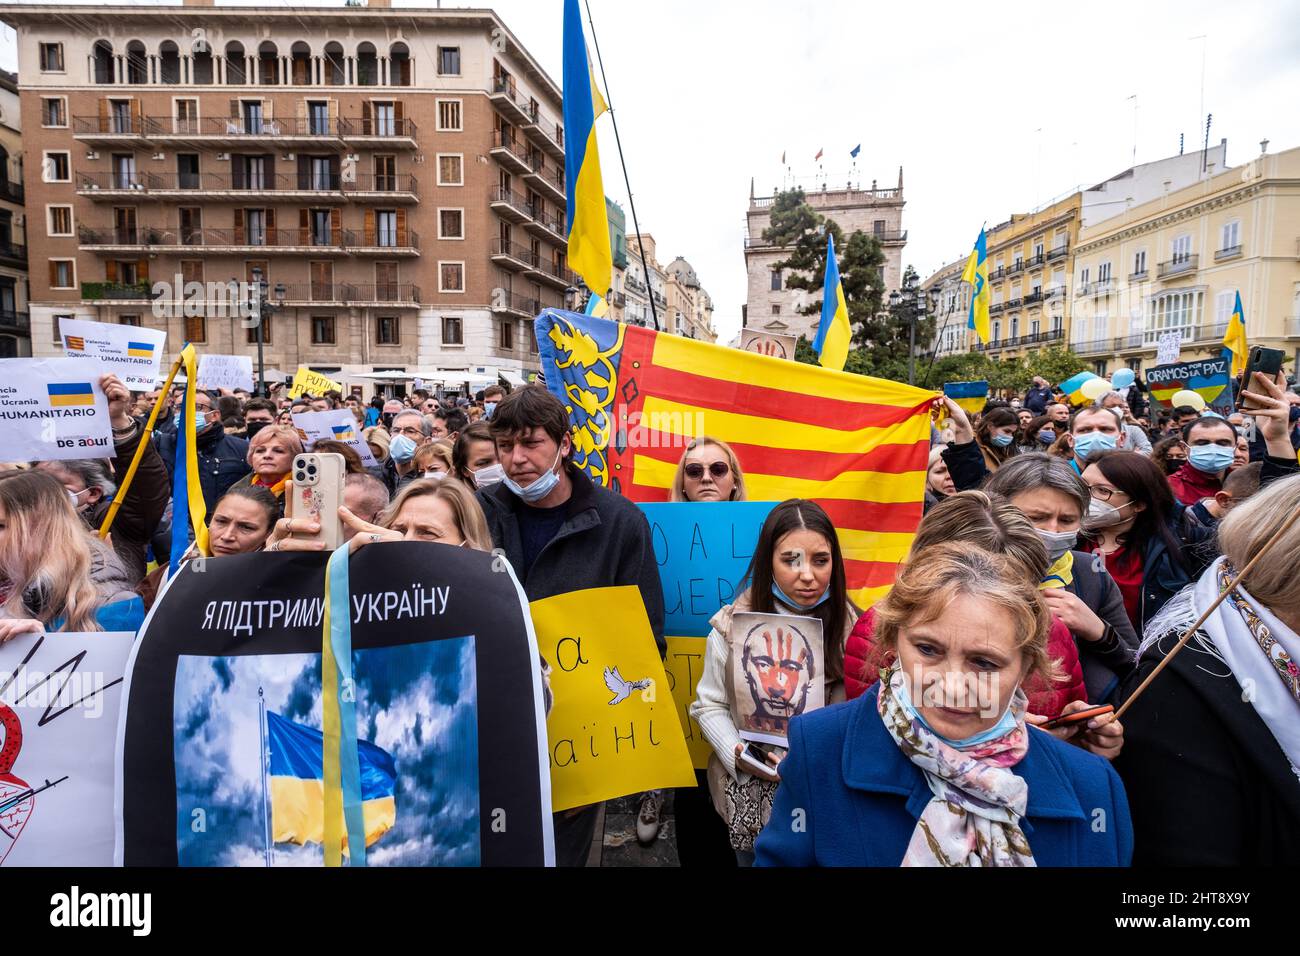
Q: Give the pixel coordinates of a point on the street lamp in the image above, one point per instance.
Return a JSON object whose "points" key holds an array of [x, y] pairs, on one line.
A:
{"points": [[913, 302], [263, 306]]}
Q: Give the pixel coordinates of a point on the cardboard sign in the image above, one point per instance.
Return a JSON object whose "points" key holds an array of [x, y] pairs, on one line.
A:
{"points": [[1168, 347], [226, 371], [614, 727], [768, 343], [305, 381], [53, 409], [778, 671], [132, 353], [684, 665], [336, 425], [1207, 377], [59, 700]]}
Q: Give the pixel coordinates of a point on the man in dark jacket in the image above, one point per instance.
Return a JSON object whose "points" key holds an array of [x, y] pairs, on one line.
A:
{"points": [[223, 459], [1039, 396], [561, 533]]}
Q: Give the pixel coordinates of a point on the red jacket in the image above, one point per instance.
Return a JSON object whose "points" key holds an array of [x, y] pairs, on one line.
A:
{"points": [[1045, 699], [1190, 485]]}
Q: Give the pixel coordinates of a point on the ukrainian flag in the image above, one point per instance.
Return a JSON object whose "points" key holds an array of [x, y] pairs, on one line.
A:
{"points": [[139, 349], [976, 274], [1073, 387], [342, 432], [297, 784], [1234, 342], [970, 396], [833, 332], [587, 223], [70, 393]]}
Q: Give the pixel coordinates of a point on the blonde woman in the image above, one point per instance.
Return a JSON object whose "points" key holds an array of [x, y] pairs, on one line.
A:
{"points": [[434, 460], [709, 471], [270, 455], [54, 574]]}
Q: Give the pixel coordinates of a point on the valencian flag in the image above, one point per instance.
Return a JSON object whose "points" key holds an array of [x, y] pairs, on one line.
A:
{"points": [[1234, 342], [297, 785], [856, 445], [976, 274], [833, 332], [588, 222]]}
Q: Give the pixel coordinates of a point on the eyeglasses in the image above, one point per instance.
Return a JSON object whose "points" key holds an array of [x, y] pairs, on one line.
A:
{"points": [[1103, 493], [718, 469]]}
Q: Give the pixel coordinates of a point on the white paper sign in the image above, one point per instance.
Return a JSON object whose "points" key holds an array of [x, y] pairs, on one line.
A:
{"points": [[1171, 343], [60, 696], [226, 371], [53, 409], [336, 425], [132, 353]]}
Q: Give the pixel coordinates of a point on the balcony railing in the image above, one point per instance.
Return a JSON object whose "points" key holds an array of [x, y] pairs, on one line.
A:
{"points": [[997, 274], [1137, 276], [386, 293], [12, 321], [511, 152], [381, 127], [1092, 347], [556, 273], [996, 308], [12, 250], [632, 282], [1058, 252], [114, 125], [116, 291], [1035, 261], [1231, 252], [513, 303], [1013, 303], [1033, 297], [265, 238], [1177, 266], [408, 241], [519, 204], [321, 127], [1017, 266], [892, 236], [513, 250], [1152, 336], [1135, 341]]}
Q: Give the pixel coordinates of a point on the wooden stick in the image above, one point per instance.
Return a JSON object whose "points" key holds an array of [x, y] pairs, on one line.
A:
{"points": [[1286, 525]]}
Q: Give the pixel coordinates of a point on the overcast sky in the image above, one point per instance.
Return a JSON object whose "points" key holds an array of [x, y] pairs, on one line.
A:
{"points": [[708, 94]]}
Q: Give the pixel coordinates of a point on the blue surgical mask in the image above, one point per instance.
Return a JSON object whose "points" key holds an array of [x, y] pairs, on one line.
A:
{"points": [[1006, 723], [489, 408], [1087, 443], [542, 486], [401, 448], [1002, 441], [200, 420], [782, 596], [1047, 436], [1210, 459]]}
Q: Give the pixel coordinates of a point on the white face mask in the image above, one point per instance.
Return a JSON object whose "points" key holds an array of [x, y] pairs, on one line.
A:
{"points": [[439, 475], [489, 475], [1103, 515]]}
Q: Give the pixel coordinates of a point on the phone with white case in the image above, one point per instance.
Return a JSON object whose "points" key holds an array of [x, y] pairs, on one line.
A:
{"points": [[317, 493]]}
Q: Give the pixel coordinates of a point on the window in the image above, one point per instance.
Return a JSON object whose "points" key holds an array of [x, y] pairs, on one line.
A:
{"points": [[1140, 263], [252, 170], [386, 228], [60, 222], [776, 280], [1182, 249], [450, 171], [51, 57], [129, 320], [776, 309], [1034, 328], [385, 174], [322, 173], [187, 116], [56, 327], [997, 330], [1230, 236], [320, 228], [54, 111], [1224, 303], [255, 227], [385, 120], [507, 335], [187, 170], [452, 333], [322, 330], [449, 61], [56, 168], [196, 328], [1103, 272], [386, 330], [1084, 275], [63, 274], [451, 224], [878, 227], [451, 277], [1038, 249], [252, 113], [318, 117], [1175, 311], [449, 116]]}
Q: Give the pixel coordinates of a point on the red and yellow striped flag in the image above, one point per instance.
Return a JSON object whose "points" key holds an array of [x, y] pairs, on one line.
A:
{"points": [[857, 446]]}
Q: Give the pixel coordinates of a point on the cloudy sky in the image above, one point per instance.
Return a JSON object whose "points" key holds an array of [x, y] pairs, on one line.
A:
{"points": [[708, 93]]}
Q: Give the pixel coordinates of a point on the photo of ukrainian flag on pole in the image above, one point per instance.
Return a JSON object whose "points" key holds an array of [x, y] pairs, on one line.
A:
{"points": [[342, 432], [139, 349], [69, 394]]}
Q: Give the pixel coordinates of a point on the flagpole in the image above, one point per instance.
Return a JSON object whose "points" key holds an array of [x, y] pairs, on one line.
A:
{"points": [[609, 102], [262, 754]]}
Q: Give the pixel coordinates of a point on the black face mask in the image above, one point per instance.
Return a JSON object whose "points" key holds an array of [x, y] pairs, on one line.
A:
{"points": [[1173, 464], [252, 428], [387, 419]]}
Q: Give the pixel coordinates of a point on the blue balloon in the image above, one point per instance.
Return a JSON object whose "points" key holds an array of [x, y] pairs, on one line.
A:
{"points": [[1123, 378]]}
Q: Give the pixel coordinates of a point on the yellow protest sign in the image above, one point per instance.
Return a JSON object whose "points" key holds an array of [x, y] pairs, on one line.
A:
{"points": [[685, 664], [314, 383], [613, 728]]}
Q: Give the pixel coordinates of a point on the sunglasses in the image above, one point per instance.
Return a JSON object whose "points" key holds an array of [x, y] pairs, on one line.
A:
{"points": [[695, 470]]}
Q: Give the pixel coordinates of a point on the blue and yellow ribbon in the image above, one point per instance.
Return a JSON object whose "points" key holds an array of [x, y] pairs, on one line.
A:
{"points": [[187, 492], [341, 765]]}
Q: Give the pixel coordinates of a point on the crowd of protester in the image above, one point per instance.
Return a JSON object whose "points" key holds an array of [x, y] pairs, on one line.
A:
{"points": [[1062, 553]]}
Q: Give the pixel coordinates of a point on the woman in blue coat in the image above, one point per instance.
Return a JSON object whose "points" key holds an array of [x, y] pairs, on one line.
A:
{"points": [[937, 765]]}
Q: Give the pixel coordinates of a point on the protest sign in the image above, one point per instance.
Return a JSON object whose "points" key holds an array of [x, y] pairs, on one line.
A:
{"points": [[448, 699], [305, 381], [59, 700], [613, 729], [226, 371], [768, 343], [703, 550], [970, 396], [777, 672], [53, 409], [1207, 377], [131, 352], [684, 664], [1168, 347], [337, 425]]}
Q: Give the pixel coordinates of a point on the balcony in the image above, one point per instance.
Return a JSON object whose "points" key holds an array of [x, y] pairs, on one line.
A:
{"points": [[1017, 266], [549, 135], [1093, 347], [1054, 292], [891, 237], [380, 132], [1035, 261], [1034, 297], [269, 240], [548, 182], [510, 205], [11, 321], [1101, 287], [113, 129], [546, 226], [1211, 331], [1033, 338], [94, 292], [1177, 267], [283, 186], [1135, 341], [401, 243], [512, 256], [11, 191], [1013, 303], [506, 97], [1231, 252], [236, 131], [1151, 337], [996, 308], [617, 299], [1291, 326], [340, 294], [997, 274], [13, 252], [1059, 252], [510, 153], [372, 187], [1138, 276], [510, 303], [553, 274], [635, 284]]}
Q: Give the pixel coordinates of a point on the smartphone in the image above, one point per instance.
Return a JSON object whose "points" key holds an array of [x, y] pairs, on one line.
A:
{"points": [[1067, 719], [1259, 359], [318, 493], [754, 757]]}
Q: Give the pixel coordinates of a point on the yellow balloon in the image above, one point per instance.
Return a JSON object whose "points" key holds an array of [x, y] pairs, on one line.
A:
{"points": [[1189, 398], [1095, 388]]}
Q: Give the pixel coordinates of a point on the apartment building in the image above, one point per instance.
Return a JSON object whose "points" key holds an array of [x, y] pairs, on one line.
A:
{"points": [[15, 326], [641, 287], [1177, 262], [618, 250], [689, 305], [951, 298], [396, 178]]}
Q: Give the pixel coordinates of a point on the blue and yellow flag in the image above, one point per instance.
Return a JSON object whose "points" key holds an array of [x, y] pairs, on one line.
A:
{"points": [[977, 275], [67, 394], [1073, 387], [969, 396], [342, 432], [587, 223], [833, 333], [187, 491], [297, 784], [1234, 342], [139, 349]]}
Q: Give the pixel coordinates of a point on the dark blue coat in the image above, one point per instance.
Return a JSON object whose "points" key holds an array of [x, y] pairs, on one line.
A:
{"points": [[858, 798]]}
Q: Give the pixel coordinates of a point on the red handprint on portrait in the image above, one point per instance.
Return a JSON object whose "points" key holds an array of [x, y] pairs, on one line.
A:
{"points": [[16, 798]]}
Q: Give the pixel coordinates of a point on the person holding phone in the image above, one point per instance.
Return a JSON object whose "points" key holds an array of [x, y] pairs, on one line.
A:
{"points": [[797, 568]]}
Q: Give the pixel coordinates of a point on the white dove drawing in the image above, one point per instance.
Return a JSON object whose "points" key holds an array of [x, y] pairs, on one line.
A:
{"points": [[622, 688]]}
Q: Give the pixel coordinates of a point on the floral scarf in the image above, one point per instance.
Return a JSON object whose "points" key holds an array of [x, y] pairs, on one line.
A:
{"points": [[974, 817]]}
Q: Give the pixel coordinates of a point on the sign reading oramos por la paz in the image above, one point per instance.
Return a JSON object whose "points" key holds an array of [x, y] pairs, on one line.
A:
{"points": [[53, 409]]}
